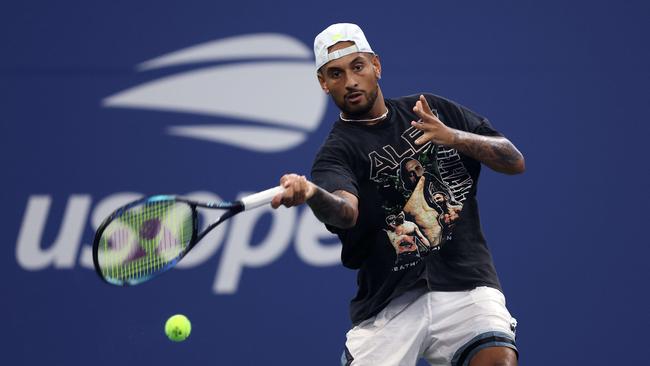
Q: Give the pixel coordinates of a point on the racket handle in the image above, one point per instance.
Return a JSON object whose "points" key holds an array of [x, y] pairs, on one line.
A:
{"points": [[260, 198]]}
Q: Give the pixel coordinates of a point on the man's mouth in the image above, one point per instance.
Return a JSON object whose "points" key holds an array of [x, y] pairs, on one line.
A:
{"points": [[354, 97]]}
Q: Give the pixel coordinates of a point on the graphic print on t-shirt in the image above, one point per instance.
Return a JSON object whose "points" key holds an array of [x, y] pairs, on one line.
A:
{"points": [[423, 190]]}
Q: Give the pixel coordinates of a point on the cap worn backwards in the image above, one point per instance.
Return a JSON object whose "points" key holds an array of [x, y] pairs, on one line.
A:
{"points": [[338, 33]]}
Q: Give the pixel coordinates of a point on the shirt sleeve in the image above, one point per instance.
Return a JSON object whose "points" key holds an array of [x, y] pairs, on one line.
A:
{"points": [[478, 124], [333, 169]]}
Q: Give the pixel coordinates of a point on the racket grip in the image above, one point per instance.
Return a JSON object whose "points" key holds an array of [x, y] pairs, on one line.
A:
{"points": [[260, 198]]}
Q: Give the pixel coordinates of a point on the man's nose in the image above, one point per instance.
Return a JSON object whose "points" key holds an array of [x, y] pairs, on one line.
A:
{"points": [[351, 82]]}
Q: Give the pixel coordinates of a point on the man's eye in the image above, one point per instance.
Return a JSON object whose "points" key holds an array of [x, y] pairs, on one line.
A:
{"points": [[358, 67]]}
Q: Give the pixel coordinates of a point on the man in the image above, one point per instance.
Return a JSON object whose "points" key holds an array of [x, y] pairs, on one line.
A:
{"points": [[422, 206], [445, 307], [406, 238], [448, 213]]}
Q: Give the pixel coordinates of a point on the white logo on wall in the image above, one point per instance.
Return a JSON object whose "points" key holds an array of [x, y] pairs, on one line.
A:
{"points": [[277, 102]]}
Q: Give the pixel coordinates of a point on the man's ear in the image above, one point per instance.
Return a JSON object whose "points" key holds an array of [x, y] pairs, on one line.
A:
{"points": [[321, 81], [377, 65]]}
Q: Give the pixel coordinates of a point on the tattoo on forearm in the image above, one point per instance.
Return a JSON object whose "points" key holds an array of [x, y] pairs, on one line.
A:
{"points": [[331, 209], [496, 152]]}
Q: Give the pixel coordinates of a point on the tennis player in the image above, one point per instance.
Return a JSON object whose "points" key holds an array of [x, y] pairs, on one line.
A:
{"points": [[417, 158]]}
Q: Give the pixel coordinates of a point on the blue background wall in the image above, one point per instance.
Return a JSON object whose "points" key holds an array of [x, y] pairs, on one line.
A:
{"points": [[567, 82]]}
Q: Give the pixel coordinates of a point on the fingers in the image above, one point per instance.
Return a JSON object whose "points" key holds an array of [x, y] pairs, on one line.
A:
{"points": [[296, 188], [425, 105], [428, 123], [419, 108], [422, 139], [422, 109], [276, 201]]}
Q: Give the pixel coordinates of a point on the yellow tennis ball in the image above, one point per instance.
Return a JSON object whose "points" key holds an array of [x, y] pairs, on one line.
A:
{"points": [[178, 327]]}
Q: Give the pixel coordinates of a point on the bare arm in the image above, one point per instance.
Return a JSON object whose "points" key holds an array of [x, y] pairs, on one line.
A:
{"points": [[339, 209], [496, 152], [422, 238]]}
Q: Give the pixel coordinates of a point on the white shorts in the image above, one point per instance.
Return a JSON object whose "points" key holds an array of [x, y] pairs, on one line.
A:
{"points": [[444, 328]]}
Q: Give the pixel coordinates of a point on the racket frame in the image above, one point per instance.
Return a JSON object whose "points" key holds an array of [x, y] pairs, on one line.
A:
{"points": [[232, 208]]}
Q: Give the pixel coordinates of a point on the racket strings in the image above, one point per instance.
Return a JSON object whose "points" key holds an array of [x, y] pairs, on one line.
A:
{"points": [[145, 240]]}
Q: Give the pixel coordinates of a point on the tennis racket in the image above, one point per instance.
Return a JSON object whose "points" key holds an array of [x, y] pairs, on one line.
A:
{"points": [[147, 237]]}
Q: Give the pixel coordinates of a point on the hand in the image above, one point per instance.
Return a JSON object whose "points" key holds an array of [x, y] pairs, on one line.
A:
{"points": [[433, 129], [297, 190]]}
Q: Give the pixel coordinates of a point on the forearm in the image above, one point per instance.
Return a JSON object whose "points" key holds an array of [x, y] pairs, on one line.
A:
{"points": [[498, 153], [337, 209]]}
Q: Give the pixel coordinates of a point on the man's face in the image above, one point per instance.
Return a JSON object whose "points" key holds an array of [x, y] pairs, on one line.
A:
{"points": [[414, 171], [352, 81], [439, 198]]}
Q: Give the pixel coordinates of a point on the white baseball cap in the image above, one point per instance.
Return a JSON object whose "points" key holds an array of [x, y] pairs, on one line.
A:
{"points": [[337, 33]]}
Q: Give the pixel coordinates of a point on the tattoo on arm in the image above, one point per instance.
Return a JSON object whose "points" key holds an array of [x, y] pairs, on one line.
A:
{"points": [[496, 152], [334, 208]]}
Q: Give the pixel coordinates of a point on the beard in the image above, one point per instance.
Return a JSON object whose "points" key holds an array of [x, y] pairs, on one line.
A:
{"points": [[359, 111], [443, 207]]}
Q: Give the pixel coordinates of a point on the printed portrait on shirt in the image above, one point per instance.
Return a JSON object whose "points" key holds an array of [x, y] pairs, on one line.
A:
{"points": [[421, 208]]}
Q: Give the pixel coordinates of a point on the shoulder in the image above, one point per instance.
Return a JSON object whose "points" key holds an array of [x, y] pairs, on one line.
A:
{"points": [[337, 136], [409, 100], [337, 142], [436, 102], [449, 111]]}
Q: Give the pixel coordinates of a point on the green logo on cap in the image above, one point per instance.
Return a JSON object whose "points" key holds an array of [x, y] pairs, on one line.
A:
{"points": [[336, 37]]}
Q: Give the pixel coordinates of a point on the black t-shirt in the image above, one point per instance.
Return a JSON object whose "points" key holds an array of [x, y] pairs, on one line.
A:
{"points": [[418, 220]]}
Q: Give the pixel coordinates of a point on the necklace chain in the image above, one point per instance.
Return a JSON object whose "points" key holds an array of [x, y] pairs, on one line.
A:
{"points": [[364, 120]]}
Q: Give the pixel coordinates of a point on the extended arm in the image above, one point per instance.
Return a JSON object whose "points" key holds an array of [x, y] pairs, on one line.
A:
{"points": [[339, 209], [494, 151]]}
